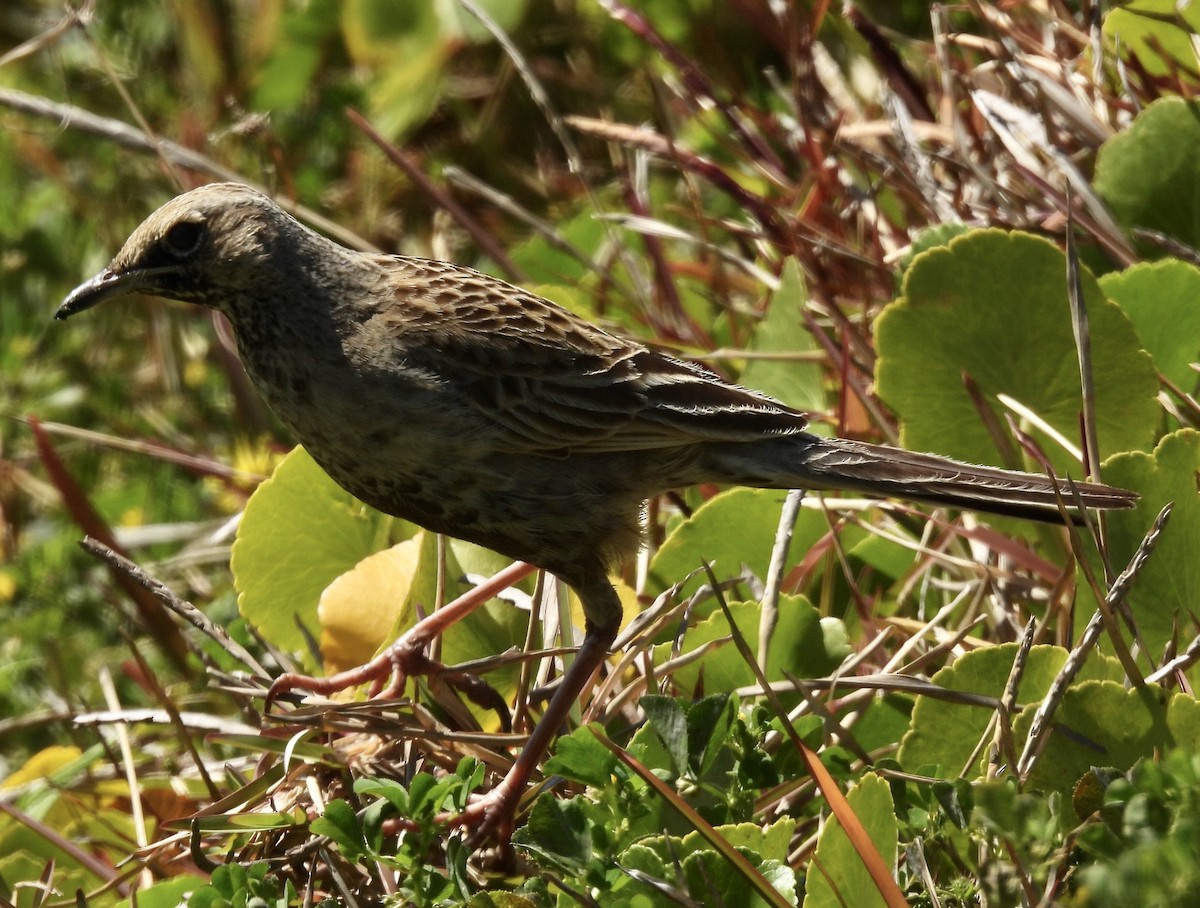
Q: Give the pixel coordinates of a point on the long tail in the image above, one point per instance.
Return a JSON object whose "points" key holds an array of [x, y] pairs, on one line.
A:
{"points": [[815, 463]]}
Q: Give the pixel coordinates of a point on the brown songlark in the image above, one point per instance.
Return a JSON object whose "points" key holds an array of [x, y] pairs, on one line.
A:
{"points": [[474, 408]]}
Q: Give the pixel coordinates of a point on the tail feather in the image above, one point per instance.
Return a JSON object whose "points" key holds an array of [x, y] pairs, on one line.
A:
{"points": [[877, 470]]}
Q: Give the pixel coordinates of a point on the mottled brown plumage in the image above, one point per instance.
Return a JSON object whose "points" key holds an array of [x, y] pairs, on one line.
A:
{"points": [[474, 408]]}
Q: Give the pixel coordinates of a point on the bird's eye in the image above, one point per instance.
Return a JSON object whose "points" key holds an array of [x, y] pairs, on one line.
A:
{"points": [[184, 238]]}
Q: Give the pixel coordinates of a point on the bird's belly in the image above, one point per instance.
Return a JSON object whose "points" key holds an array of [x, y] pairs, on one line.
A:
{"points": [[420, 453], [410, 452], [465, 498]]}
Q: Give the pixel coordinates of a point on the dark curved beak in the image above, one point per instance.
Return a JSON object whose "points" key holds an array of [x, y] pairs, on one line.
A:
{"points": [[105, 285]]}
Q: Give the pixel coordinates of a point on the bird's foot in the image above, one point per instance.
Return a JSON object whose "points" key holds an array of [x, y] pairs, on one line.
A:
{"points": [[489, 817], [406, 657], [402, 660], [399, 662]]}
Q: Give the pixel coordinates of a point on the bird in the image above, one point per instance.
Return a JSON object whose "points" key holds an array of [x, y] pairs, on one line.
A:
{"points": [[477, 409]]}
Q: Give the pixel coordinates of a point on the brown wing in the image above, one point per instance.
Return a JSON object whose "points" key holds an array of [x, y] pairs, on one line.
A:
{"points": [[553, 381]]}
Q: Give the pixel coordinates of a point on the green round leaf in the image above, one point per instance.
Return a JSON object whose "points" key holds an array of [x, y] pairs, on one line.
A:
{"points": [[1103, 723], [1158, 33], [1162, 299], [944, 735], [802, 644], [731, 529], [299, 532], [1150, 175], [993, 306], [1166, 592]]}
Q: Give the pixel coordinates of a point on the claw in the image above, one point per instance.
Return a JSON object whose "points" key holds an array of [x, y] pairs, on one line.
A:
{"points": [[489, 817], [405, 657]]}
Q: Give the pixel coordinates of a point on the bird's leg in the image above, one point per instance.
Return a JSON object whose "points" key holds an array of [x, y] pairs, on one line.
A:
{"points": [[405, 657], [492, 814]]}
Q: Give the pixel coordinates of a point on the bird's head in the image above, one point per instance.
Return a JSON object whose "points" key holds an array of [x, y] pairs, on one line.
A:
{"points": [[209, 246]]}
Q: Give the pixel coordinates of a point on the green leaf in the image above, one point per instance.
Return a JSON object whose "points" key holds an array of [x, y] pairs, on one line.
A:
{"points": [[1166, 591], [794, 382], [545, 262], [502, 898], [884, 721], [800, 645], [645, 860], [376, 30], [285, 76], [495, 627], [944, 735], [459, 23], [888, 559], [427, 794], [707, 876], [1138, 29], [956, 800], [667, 719], [581, 757], [1023, 816], [408, 45], [560, 832], [230, 879], [843, 878], [340, 824], [167, 893], [1149, 175], [930, 238], [389, 789], [731, 529], [407, 94], [1103, 723], [710, 874], [254, 821], [1162, 299], [1143, 853], [770, 841], [299, 532], [692, 734], [709, 721], [993, 306]]}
